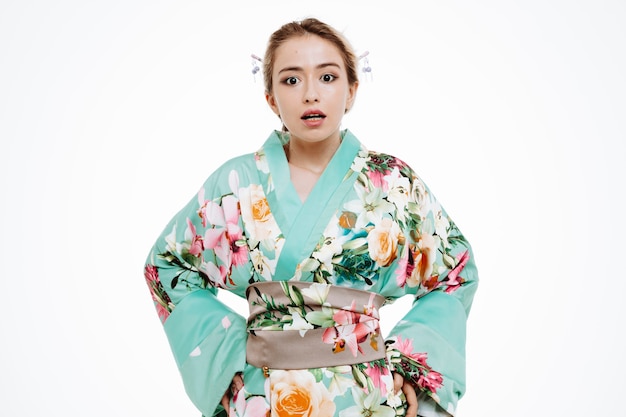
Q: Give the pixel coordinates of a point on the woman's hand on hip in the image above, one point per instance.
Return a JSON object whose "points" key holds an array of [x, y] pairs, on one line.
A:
{"points": [[235, 386], [399, 383]]}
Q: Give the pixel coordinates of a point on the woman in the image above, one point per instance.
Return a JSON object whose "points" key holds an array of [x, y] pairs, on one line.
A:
{"points": [[318, 233]]}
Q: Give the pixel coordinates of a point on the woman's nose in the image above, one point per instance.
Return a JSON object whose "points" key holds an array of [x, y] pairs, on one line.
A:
{"points": [[310, 94]]}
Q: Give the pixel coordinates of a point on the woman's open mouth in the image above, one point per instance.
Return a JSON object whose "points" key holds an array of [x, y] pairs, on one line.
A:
{"points": [[313, 118]]}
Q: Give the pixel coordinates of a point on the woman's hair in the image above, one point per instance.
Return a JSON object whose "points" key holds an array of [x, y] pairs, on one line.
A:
{"points": [[305, 27]]}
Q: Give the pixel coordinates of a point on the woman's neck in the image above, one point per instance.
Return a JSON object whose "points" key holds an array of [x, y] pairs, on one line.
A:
{"points": [[311, 156]]}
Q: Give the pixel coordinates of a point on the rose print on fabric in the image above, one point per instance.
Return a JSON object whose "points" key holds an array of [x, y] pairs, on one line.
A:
{"points": [[383, 241], [422, 257], [297, 393], [265, 239], [233, 230], [256, 214], [368, 234], [382, 231]]}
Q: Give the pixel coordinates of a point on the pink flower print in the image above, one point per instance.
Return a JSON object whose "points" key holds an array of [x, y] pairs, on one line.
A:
{"points": [[421, 358], [162, 301], [196, 246], [215, 274], [430, 381], [226, 237], [202, 210], [404, 268], [348, 314], [231, 210], [343, 317], [238, 251], [202, 213], [255, 406], [340, 337], [151, 274], [364, 325], [370, 309], [377, 374], [217, 240], [350, 332], [212, 214], [207, 210], [404, 346], [237, 245], [454, 280], [217, 215], [378, 179]]}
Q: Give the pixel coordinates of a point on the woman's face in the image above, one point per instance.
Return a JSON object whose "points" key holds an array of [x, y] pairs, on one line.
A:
{"points": [[310, 92]]}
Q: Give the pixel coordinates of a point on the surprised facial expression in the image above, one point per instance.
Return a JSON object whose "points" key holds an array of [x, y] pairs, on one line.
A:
{"points": [[311, 92]]}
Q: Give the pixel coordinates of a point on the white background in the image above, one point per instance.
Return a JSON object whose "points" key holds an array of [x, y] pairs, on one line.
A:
{"points": [[112, 113]]}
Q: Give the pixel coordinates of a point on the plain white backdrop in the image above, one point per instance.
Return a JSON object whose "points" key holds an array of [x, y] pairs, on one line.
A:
{"points": [[112, 113]]}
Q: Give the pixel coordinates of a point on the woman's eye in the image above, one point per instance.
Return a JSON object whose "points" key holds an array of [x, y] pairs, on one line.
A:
{"points": [[328, 78], [291, 81]]}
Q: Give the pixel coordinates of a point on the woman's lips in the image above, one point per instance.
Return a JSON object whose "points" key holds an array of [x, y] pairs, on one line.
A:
{"points": [[313, 118]]}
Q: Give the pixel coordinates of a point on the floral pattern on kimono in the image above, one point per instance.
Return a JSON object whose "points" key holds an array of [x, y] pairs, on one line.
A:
{"points": [[370, 224]]}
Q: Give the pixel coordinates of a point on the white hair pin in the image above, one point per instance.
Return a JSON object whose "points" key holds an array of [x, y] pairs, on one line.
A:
{"points": [[367, 70], [255, 65]]}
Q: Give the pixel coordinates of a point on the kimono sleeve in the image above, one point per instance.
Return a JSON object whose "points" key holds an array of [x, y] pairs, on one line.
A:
{"points": [[427, 346], [183, 271]]}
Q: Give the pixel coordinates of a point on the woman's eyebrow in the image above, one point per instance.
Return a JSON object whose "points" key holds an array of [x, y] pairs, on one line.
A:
{"points": [[300, 69]]}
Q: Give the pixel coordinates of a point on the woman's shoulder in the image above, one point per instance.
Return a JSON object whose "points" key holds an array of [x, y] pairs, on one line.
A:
{"points": [[250, 159], [243, 167], [375, 156], [386, 162], [229, 174]]}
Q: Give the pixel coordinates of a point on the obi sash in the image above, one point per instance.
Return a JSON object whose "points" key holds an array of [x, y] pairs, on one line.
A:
{"points": [[304, 325]]}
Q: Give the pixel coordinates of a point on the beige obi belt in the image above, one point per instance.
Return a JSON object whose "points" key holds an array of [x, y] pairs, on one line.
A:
{"points": [[303, 325]]}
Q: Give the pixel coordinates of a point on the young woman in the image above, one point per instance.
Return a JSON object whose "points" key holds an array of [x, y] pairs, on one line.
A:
{"points": [[318, 233]]}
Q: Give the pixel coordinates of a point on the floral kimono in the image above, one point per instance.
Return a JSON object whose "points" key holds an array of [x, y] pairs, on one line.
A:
{"points": [[315, 274]]}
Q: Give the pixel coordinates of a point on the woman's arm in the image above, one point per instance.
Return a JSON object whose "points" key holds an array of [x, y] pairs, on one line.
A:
{"points": [[427, 345], [183, 270]]}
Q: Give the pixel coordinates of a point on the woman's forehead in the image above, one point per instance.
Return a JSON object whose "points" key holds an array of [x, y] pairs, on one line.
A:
{"points": [[306, 51]]}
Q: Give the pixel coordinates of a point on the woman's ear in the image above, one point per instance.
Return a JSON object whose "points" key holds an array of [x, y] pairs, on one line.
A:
{"points": [[351, 95], [271, 101]]}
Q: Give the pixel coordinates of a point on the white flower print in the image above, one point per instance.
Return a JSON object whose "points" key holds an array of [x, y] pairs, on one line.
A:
{"points": [[170, 240], [359, 162], [442, 224], [422, 197], [318, 292], [398, 193], [262, 264], [370, 207], [233, 181], [367, 405], [339, 383], [261, 162], [257, 217], [330, 248], [298, 322]]}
